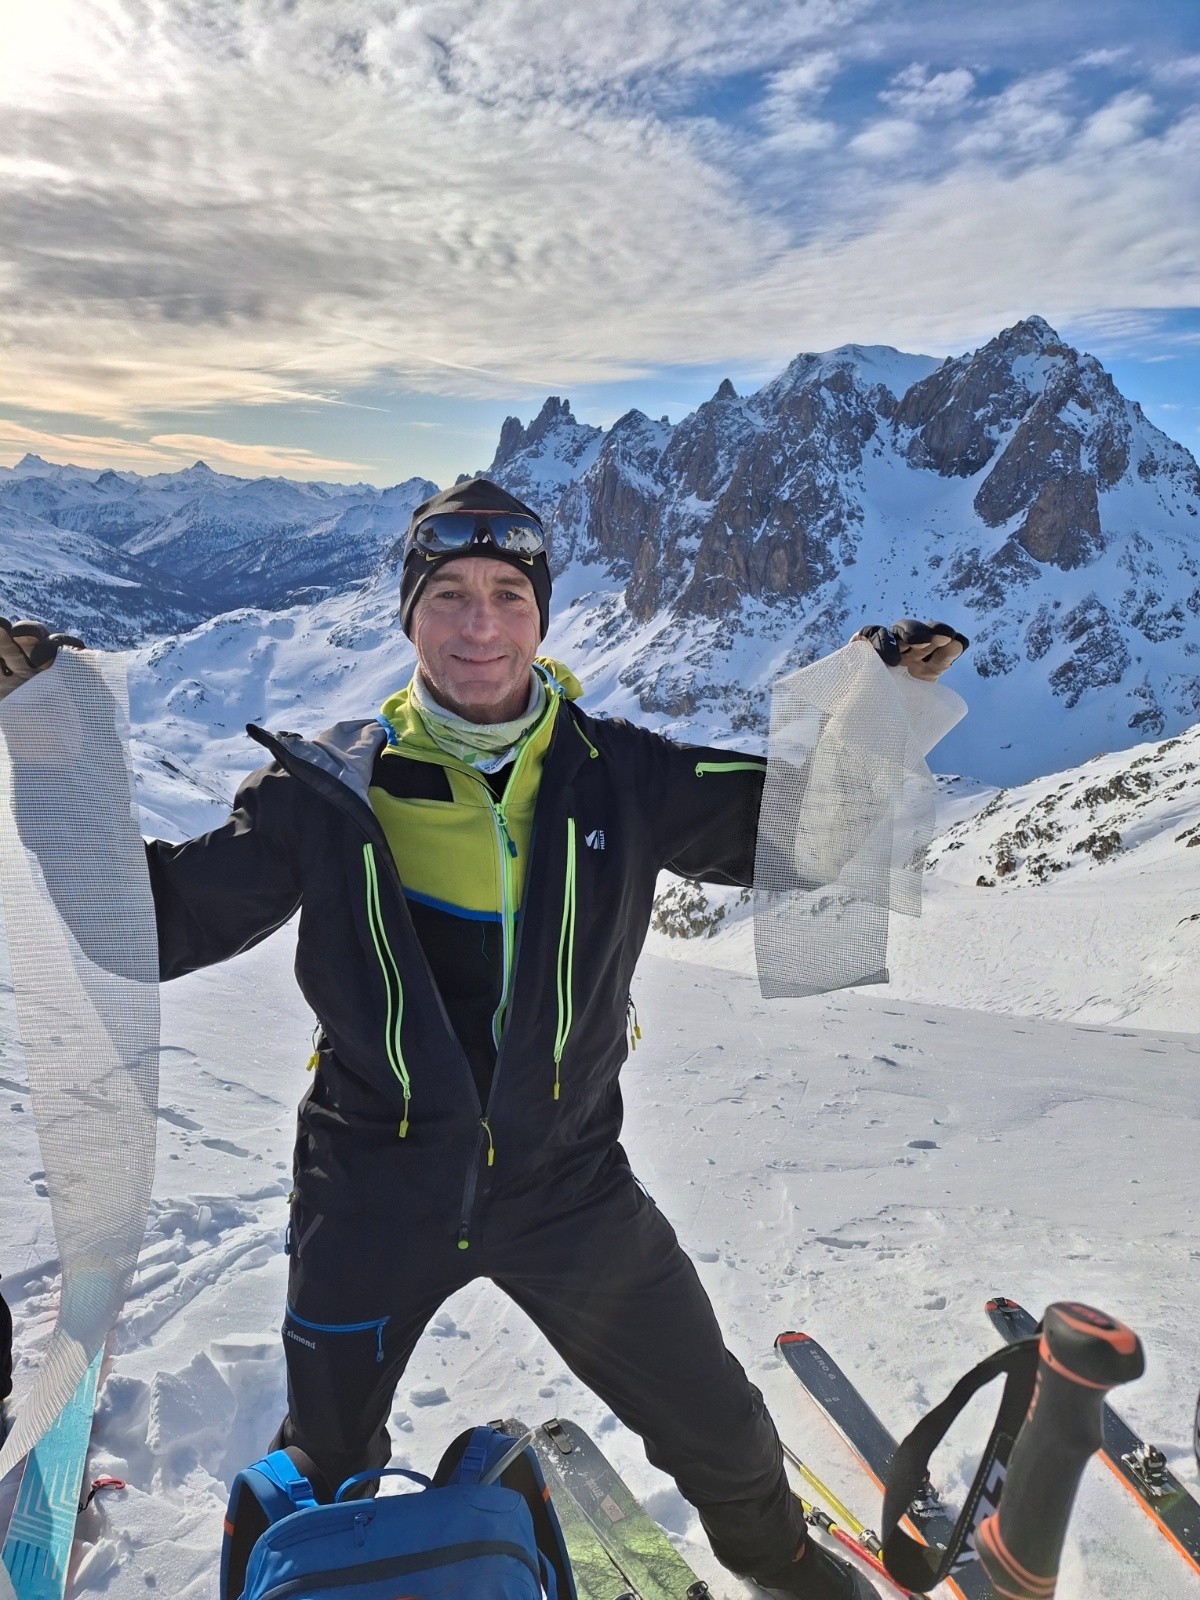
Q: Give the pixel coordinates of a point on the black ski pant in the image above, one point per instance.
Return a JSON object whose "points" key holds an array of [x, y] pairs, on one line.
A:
{"points": [[605, 1280]]}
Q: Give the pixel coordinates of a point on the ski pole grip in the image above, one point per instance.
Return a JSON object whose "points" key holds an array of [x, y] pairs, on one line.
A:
{"points": [[1082, 1355]]}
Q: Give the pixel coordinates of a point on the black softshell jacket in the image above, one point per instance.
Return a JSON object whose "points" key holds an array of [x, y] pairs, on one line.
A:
{"points": [[302, 835]]}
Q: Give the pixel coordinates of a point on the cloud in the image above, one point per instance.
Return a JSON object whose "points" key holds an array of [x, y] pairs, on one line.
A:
{"points": [[1103, 58], [886, 139], [918, 93], [242, 203], [1121, 121], [166, 452], [1030, 119], [1183, 69]]}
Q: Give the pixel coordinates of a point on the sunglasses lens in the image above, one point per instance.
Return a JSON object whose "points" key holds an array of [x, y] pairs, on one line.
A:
{"points": [[455, 530], [518, 534], [449, 530]]}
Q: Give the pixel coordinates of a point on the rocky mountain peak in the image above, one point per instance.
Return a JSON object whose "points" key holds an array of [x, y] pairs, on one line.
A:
{"points": [[555, 416], [544, 457]]}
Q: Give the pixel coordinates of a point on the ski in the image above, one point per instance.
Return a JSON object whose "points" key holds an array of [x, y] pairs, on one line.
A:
{"points": [[637, 1547], [37, 1550], [1139, 1467], [597, 1577], [929, 1519]]}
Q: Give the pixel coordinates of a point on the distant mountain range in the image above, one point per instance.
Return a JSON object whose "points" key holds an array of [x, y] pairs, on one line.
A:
{"points": [[123, 557], [1013, 492]]}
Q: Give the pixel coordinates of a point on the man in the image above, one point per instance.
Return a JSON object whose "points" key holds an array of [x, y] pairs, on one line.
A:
{"points": [[6, 1334], [475, 870]]}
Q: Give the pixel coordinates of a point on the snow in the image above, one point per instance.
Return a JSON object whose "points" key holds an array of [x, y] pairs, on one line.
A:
{"points": [[1017, 1112], [1086, 910], [874, 364], [869, 1166]]}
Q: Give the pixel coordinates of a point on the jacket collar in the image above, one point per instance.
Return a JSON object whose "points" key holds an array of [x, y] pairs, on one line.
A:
{"points": [[347, 750]]}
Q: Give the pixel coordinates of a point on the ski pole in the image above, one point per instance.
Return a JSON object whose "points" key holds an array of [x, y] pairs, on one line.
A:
{"points": [[821, 1519], [867, 1540], [1082, 1355]]}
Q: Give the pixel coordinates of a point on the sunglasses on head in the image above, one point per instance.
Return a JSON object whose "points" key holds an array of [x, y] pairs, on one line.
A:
{"points": [[447, 531]]}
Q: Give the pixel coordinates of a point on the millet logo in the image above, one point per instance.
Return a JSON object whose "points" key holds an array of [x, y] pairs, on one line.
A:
{"points": [[595, 839]]}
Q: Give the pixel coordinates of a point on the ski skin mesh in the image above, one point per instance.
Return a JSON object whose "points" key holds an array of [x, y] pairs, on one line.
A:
{"points": [[847, 817], [78, 921]]}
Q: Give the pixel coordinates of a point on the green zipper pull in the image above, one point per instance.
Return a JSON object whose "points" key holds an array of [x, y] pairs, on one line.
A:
{"points": [[403, 1129], [703, 767], [491, 1156], [635, 1032]]}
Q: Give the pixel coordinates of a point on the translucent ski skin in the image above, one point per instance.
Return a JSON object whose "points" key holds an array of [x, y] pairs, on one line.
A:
{"points": [[78, 919], [1172, 1508]]}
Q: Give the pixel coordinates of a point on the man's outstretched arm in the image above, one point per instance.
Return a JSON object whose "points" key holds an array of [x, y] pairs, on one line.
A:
{"points": [[225, 891], [705, 802]]}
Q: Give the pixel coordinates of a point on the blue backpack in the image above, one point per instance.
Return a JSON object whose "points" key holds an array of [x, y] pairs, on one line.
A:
{"points": [[497, 1540]]}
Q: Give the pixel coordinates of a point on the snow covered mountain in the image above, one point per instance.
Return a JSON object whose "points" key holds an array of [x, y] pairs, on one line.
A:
{"points": [[158, 554], [1012, 491]]}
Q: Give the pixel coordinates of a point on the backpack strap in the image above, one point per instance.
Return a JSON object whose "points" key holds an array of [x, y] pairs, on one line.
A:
{"points": [[262, 1494], [469, 1458], [921, 1567]]}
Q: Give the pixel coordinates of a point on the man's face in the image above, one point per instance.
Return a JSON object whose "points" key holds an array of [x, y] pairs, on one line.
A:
{"points": [[476, 630]]}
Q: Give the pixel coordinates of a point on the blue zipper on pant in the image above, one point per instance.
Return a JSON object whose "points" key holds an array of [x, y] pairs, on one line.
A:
{"points": [[343, 1327]]}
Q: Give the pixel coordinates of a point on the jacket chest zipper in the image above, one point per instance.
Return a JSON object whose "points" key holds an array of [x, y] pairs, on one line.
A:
{"points": [[565, 967], [343, 799], [506, 852], [350, 805], [389, 970]]}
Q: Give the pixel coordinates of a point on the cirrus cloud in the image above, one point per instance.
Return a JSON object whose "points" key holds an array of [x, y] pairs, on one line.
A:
{"points": [[243, 204]]}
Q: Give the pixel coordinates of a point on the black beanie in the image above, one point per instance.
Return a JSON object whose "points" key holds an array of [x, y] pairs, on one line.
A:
{"points": [[477, 494]]}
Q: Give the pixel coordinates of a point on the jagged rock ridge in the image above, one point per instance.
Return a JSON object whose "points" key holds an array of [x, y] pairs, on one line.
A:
{"points": [[1012, 490]]}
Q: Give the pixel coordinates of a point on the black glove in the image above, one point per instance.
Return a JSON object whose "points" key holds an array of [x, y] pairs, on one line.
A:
{"points": [[925, 648], [27, 648]]}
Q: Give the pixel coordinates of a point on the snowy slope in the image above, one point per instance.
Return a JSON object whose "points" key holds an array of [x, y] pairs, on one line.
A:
{"points": [[866, 1168], [1074, 896]]}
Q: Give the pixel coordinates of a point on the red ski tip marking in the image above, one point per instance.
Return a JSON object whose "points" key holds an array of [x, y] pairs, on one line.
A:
{"points": [[794, 1338]]}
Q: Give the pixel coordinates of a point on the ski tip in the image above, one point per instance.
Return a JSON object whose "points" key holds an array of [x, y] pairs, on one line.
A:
{"points": [[1000, 1302], [793, 1338]]}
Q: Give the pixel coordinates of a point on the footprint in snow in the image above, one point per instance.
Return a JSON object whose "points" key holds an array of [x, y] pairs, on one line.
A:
{"points": [[178, 1120], [431, 1396], [225, 1146]]}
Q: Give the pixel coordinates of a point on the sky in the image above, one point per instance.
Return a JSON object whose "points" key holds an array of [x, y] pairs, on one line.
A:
{"points": [[345, 241]]}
